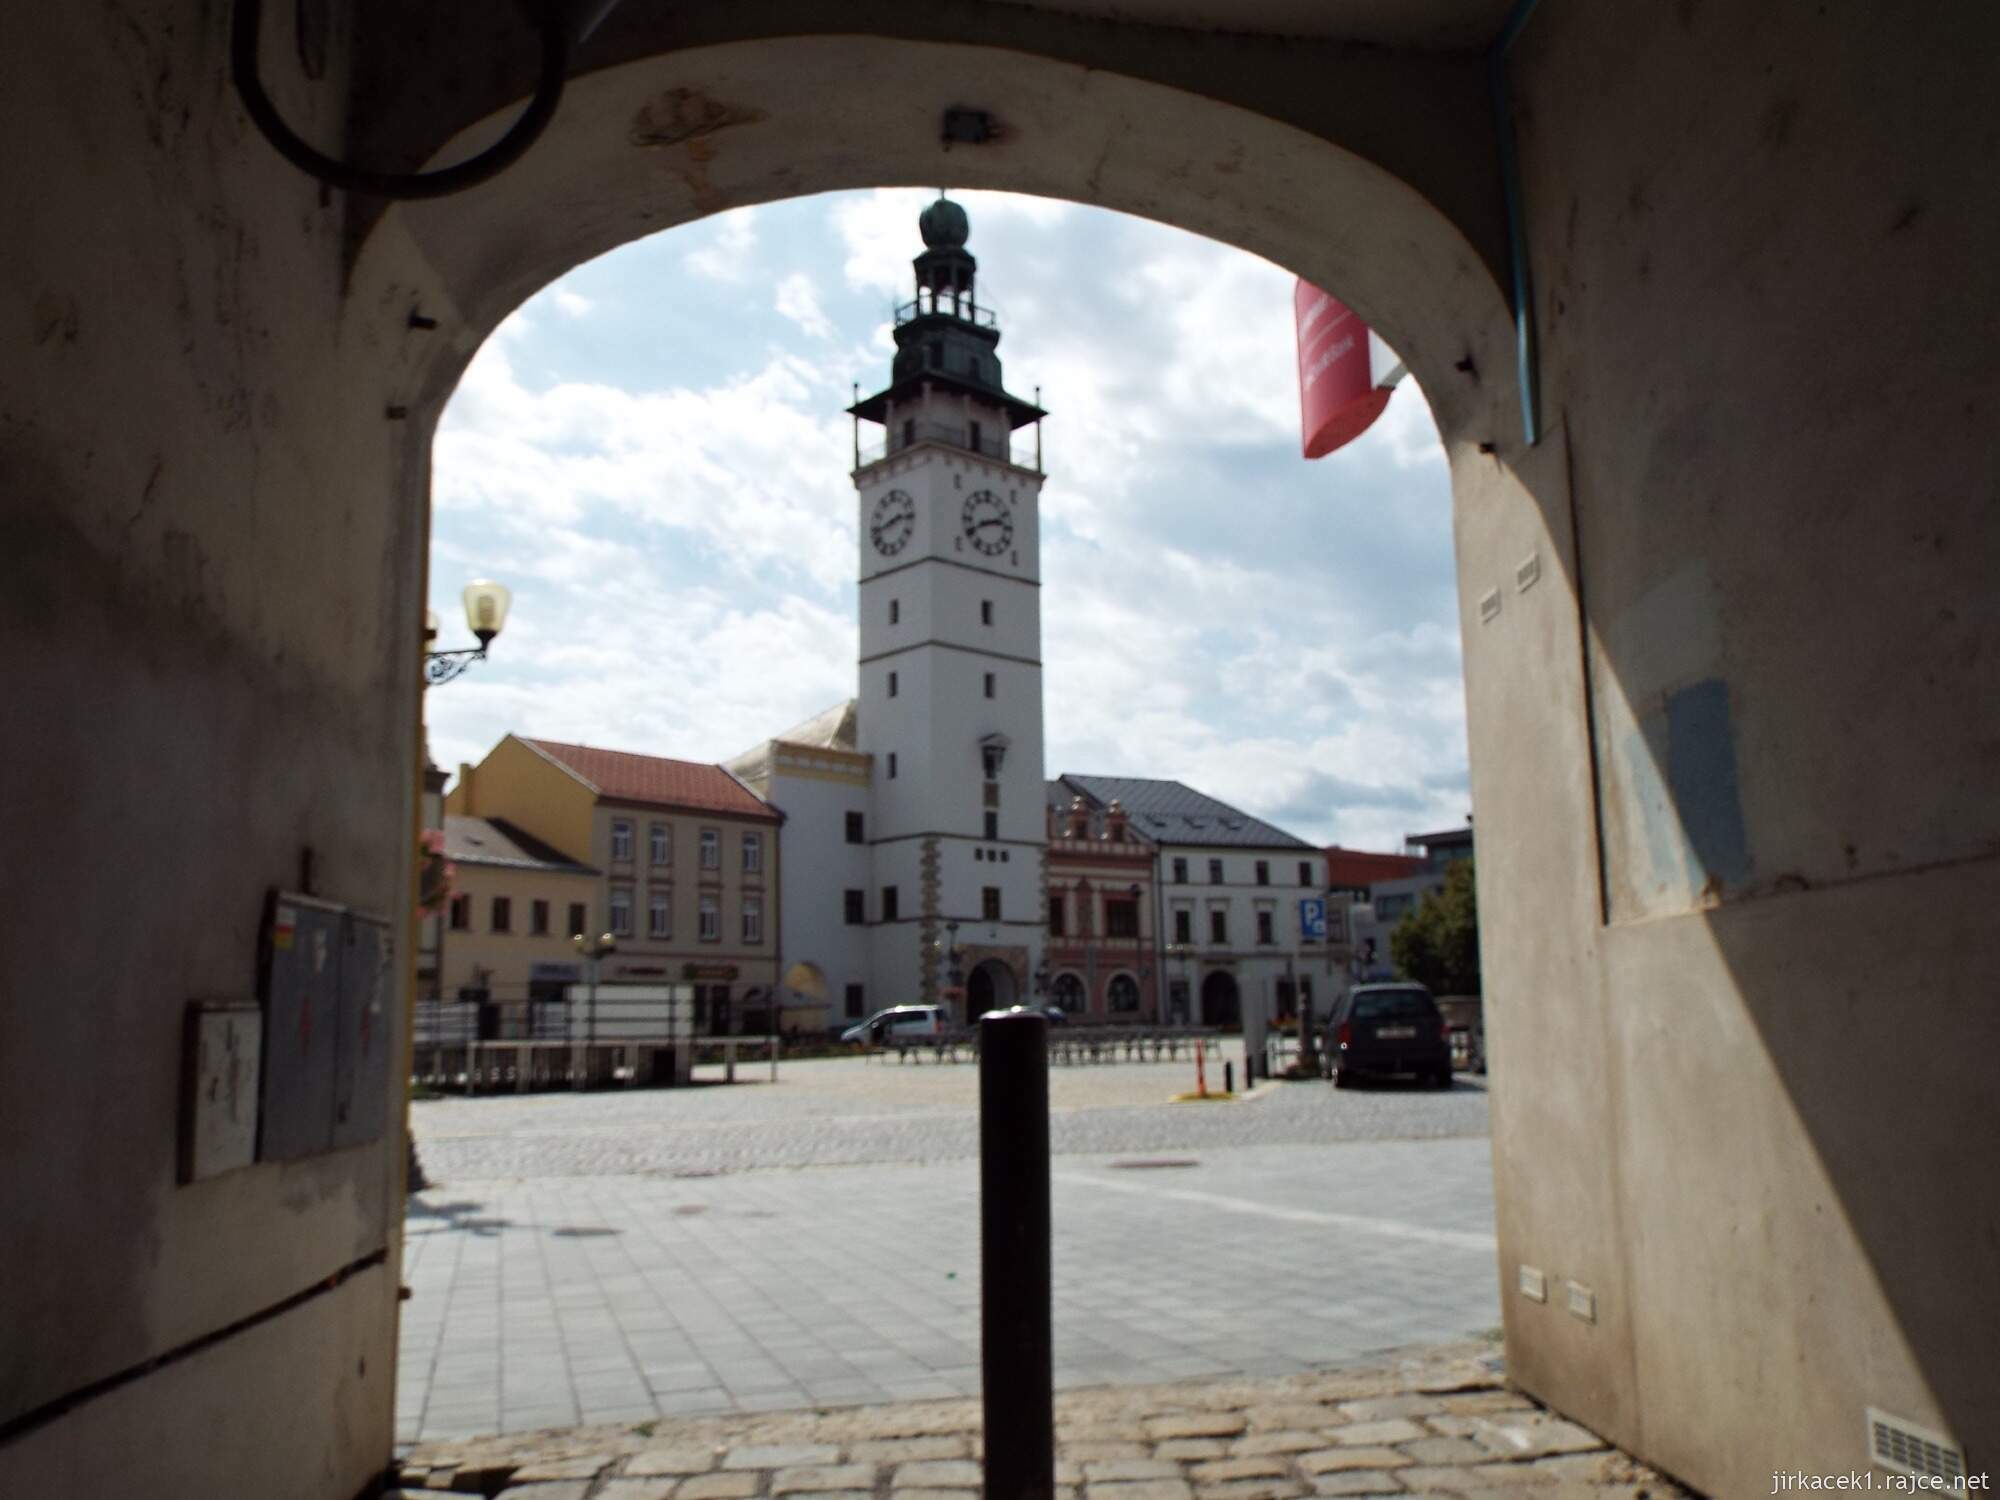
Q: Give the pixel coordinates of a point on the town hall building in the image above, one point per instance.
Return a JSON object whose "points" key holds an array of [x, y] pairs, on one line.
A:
{"points": [[915, 828]]}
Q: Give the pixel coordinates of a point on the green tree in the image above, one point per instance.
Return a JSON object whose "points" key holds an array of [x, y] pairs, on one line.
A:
{"points": [[1438, 944]]}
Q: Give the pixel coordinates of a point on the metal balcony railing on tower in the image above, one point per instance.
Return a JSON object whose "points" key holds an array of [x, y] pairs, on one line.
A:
{"points": [[983, 441], [965, 311]]}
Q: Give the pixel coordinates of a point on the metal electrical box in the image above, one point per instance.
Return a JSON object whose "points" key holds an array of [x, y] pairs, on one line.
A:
{"points": [[325, 994]]}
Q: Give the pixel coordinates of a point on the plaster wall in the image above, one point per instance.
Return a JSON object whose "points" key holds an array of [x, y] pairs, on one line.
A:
{"points": [[818, 867], [525, 787]]}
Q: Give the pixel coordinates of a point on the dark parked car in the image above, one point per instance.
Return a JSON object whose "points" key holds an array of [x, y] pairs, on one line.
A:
{"points": [[1388, 1028]]}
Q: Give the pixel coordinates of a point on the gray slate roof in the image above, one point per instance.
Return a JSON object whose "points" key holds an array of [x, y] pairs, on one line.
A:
{"points": [[1169, 812], [495, 841]]}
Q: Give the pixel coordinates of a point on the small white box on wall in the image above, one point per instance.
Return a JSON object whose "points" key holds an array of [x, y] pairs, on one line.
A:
{"points": [[221, 1073]]}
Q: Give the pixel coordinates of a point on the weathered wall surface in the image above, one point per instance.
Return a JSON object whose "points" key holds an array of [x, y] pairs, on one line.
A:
{"points": [[1741, 1064], [212, 576], [1733, 732]]}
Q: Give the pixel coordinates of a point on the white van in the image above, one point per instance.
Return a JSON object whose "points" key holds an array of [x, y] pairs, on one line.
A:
{"points": [[900, 1025]]}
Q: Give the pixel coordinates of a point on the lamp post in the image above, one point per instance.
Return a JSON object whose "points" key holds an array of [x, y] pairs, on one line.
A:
{"points": [[486, 605], [1181, 951], [592, 952]]}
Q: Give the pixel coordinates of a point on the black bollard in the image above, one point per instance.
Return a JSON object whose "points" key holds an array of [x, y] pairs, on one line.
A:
{"points": [[1017, 1348], [1229, 1078]]}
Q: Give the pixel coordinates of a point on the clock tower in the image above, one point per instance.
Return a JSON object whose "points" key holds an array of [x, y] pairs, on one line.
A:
{"points": [[950, 700]]}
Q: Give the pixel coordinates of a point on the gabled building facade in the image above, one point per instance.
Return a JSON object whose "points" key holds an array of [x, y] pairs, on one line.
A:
{"points": [[688, 859]]}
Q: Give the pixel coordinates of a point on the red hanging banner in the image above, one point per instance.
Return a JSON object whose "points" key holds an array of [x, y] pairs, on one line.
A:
{"points": [[1338, 397]]}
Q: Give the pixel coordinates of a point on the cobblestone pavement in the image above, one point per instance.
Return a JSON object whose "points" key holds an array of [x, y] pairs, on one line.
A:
{"points": [[560, 1289], [850, 1111], [1433, 1422]]}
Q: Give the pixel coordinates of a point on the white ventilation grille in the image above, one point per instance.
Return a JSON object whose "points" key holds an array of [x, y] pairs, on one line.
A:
{"points": [[1905, 1448]]}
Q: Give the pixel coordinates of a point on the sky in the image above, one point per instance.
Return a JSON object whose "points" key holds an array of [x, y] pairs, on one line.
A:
{"points": [[653, 454]]}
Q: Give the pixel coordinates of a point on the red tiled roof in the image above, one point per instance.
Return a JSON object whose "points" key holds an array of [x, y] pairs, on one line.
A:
{"points": [[621, 776], [1348, 869]]}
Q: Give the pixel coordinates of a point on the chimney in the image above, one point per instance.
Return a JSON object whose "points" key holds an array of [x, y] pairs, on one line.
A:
{"points": [[463, 790]]}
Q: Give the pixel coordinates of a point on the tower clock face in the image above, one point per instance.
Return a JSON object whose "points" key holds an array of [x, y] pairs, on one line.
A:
{"points": [[892, 521], [988, 523]]}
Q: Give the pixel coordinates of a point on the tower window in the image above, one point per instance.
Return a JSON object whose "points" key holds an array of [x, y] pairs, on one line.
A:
{"points": [[892, 765], [892, 684], [856, 829], [993, 825], [889, 903], [895, 611], [986, 611], [989, 902], [989, 684], [974, 445], [856, 907], [909, 431]]}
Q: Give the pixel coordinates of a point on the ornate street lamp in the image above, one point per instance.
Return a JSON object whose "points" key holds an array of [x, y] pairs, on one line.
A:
{"points": [[485, 612]]}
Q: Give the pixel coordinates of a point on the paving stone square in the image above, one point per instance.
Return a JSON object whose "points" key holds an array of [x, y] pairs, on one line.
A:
{"points": [[626, 1257]]}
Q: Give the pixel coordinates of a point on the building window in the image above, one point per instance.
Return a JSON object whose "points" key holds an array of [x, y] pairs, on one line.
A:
{"points": [[857, 907], [711, 920], [711, 849], [1305, 872], [1121, 917], [621, 913], [856, 829], [659, 846], [892, 684], [1183, 925], [659, 915], [1215, 872], [753, 920], [621, 840], [1056, 916], [993, 825], [889, 911], [1264, 932], [1218, 927], [974, 444], [1180, 871], [989, 902], [986, 611], [892, 765], [578, 919], [857, 1001], [909, 431], [538, 918], [895, 611], [461, 914], [1068, 993], [753, 853], [1263, 872], [503, 914], [1122, 993], [989, 684]]}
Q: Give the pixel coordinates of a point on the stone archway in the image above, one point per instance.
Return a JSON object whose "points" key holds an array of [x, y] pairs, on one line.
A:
{"points": [[990, 986], [1221, 1002]]}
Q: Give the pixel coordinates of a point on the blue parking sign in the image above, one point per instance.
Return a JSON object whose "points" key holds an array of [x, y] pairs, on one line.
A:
{"points": [[1312, 919]]}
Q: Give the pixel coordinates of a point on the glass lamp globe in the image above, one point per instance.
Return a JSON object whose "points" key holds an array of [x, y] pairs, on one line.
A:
{"points": [[486, 607]]}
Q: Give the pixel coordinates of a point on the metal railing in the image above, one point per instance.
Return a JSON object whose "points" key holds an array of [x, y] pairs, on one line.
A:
{"points": [[966, 312], [988, 444]]}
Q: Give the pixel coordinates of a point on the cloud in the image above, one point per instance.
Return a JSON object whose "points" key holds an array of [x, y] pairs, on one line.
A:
{"points": [[798, 301], [724, 252], [573, 303]]}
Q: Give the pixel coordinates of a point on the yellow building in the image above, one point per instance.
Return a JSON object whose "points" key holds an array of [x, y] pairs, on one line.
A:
{"points": [[682, 861], [516, 904]]}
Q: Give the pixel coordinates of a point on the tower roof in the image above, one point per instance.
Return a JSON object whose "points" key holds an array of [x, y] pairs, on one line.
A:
{"points": [[944, 338]]}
